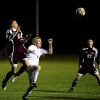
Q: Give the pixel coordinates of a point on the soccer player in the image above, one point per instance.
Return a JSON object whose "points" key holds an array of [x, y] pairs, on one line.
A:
{"points": [[14, 36], [34, 52], [87, 63]]}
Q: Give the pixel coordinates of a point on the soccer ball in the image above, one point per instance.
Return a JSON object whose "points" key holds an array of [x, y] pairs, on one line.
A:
{"points": [[80, 12]]}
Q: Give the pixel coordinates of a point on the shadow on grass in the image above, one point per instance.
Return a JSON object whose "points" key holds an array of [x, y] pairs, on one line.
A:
{"points": [[59, 97], [63, 98], [49, 91]]}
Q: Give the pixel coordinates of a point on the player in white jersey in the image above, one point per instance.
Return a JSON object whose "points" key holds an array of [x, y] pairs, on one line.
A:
{"points": [[34, 52]]}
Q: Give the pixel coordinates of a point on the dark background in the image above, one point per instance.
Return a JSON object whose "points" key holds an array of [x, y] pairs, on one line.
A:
{"points": [[57, 20]]}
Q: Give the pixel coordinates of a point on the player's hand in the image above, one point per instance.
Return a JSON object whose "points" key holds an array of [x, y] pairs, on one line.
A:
{"points": [[19, 28], [28, 36], [50, 41], [80, 66]]}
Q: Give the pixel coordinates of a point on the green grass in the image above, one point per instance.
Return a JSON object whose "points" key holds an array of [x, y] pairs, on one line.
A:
{"points": [[54, 81]]}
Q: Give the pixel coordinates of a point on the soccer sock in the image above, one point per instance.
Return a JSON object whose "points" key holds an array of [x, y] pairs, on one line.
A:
{"points": [[35, 76], [29, 90], [74, 83], [98, 79], [9, 74], [21, 70]]}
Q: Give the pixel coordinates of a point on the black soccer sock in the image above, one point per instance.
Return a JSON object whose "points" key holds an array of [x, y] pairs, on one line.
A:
{"points": [[74, 83], [8, 76], [98, 79], [21, 70], [28, 91]]}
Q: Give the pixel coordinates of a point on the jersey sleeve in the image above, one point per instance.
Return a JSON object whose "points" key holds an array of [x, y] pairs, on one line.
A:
{"points": [[43, 51], [9, 35], [31, 48], [97, 57]]}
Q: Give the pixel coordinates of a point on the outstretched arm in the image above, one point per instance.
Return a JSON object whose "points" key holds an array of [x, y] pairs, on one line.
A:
{"points": [[24, 40], [50, 41]]}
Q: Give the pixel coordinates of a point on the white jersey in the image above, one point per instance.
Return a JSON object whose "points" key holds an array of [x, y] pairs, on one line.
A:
{"points": [[34, 57]]}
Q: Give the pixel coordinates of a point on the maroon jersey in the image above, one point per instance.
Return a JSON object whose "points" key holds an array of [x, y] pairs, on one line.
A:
{"points": [[15, 38], [88, 56]]}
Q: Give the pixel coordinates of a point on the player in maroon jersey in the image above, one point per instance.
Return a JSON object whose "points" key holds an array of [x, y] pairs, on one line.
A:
{"points": [[15, 37], [87, 63]]}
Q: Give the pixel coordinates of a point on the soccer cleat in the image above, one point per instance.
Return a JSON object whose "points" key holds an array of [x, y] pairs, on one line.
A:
{"points": [[24, 98], [71, 89], [3, 85], [13, 79]]}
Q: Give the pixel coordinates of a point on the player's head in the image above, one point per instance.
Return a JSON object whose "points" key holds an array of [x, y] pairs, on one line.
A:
{"points": [[37, 42], [13, 24], [90, 42]]}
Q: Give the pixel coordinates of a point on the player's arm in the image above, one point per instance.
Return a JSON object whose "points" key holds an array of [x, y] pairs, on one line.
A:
{"points": [[9, 35], [50, 51], [97, 58], [50, 41], [24, 40], [30, 49], [80, 58]]}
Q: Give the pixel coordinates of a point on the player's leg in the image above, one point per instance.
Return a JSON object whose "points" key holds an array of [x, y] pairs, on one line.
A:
{"points": [[31, 86], [24, 67], [36, 72], [25, 63], [14, 63], [82, 71], [75, 81], [32, 75], [98, 78], [93, 71]]}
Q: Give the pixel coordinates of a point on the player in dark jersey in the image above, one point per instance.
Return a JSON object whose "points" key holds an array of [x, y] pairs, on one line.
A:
{"points": [[14, 36], [87, 63]]}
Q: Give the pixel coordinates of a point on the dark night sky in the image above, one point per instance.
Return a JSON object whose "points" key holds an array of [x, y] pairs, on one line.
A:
{"points": [[57, 20]]}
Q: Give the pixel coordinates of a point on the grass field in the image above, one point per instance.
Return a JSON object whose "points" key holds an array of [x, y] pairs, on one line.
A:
{"points": [[54, 81]]}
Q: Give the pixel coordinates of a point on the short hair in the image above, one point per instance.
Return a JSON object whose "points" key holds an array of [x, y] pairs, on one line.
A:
{"points": [[34, 39], [89, 39], [10, 22]]}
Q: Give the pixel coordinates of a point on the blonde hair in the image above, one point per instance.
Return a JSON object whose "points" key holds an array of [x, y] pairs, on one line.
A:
{"points": [[35, 39]]}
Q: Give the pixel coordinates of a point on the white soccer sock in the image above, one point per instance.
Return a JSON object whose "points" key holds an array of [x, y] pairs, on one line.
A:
{"points": [[35, 76]]}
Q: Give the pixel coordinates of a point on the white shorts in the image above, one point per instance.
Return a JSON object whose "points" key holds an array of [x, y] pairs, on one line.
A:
{"points": [[32, 62]]}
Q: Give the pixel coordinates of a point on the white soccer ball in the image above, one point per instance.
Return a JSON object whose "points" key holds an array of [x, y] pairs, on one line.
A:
{"points": [[80, 12]]}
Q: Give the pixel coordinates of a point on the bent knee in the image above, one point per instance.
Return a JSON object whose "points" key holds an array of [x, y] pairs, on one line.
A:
{"points": [[38, 68]]}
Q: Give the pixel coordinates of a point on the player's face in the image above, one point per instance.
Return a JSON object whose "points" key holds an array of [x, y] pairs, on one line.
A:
{"points": [[90, 42], [38, 43], [14, 25]]}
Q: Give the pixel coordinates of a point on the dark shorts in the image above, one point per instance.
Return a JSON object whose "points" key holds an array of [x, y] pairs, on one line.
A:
{"points": [[91, 69], [17, 57]]}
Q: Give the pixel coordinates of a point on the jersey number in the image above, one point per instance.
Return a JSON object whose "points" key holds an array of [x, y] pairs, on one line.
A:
{"points": [[89, 55]]}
